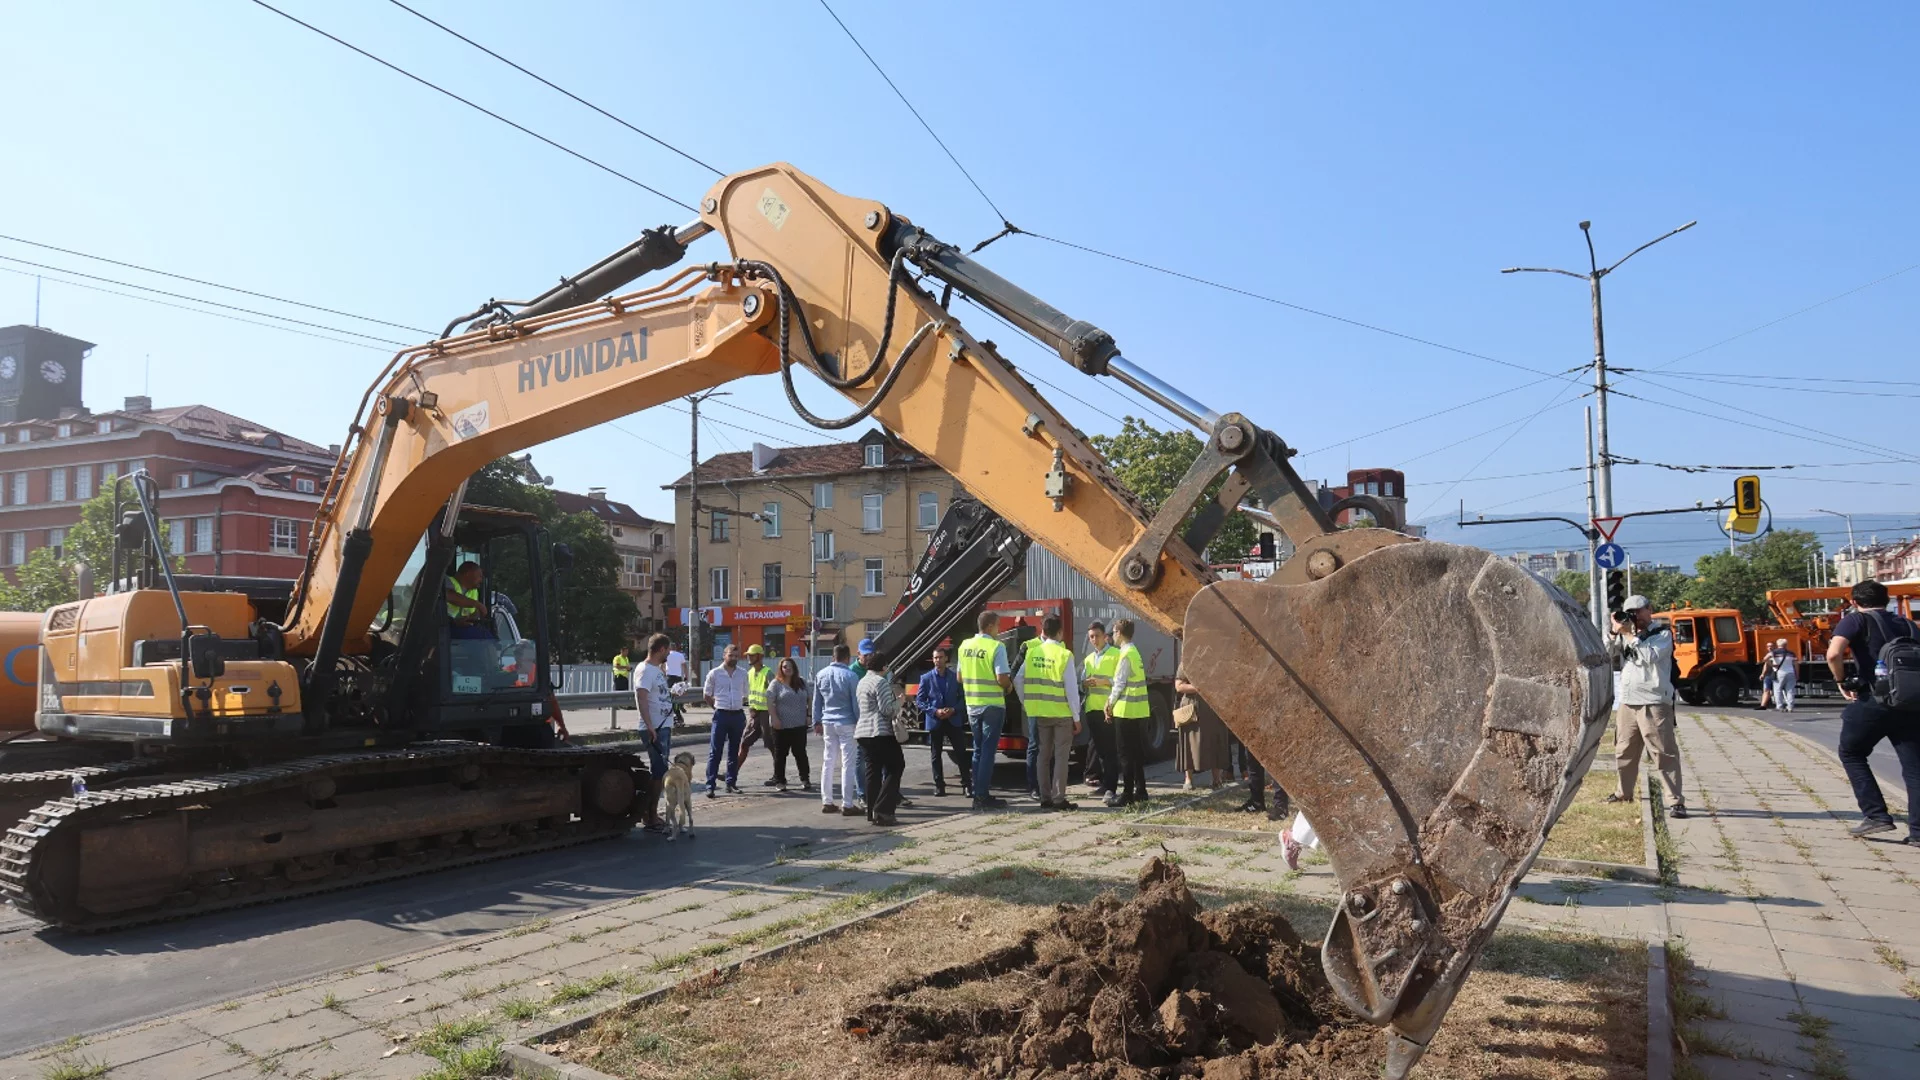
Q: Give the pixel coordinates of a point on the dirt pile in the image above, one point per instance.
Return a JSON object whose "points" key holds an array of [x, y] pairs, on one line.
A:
{"points": [[1128, 989]]}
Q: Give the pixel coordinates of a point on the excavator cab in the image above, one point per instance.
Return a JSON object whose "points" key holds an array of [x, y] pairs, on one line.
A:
{"points": [[464, 639]]}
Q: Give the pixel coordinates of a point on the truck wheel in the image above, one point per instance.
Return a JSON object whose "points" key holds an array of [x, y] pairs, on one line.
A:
{"points": [[1159, 733], [1722, 691], [1690, 695]]}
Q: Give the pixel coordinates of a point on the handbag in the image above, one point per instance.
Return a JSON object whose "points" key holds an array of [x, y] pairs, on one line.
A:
{"points": [[1186, 715]]}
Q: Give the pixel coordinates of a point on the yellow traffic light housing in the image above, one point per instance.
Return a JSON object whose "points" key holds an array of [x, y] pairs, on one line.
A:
{"points": [[1744, 518]]}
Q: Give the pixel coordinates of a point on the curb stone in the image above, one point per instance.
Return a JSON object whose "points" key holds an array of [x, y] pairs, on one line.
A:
{"points": [[1659, 1015], [525, 1061]]}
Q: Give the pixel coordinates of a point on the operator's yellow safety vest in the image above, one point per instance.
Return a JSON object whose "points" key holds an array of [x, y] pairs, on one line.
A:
{"points": [[622, 665], [1045, 668], [454, 611], [978, 681], [1099, 677], [1133, 700], [757, 681]]}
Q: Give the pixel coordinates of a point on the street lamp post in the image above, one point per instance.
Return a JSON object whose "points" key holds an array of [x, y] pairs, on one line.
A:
{"points": [[813, 570], [1853, 553], [1592, 277]]}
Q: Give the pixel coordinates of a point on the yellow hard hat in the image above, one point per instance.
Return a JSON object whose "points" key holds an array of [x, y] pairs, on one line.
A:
{"points": [[755, 650]]}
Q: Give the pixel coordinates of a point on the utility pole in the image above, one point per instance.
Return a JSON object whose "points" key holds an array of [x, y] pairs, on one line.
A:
{"points": [[813, 571], [697, 623], [1592, 277], [1596, 596]]}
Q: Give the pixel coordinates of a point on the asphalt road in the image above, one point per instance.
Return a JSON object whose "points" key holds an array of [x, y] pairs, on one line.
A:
{"points": [[58, 984]]}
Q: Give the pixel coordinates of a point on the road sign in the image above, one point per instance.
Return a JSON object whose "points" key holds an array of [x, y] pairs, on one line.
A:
{"points": [[1610, 556], [1607, 526]]}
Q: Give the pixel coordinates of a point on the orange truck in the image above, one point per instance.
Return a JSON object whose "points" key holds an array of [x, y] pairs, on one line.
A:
{"points": [[1718, 653]]}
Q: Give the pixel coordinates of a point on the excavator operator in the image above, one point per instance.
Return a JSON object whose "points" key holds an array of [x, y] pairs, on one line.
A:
{"points": [[464, 609]]}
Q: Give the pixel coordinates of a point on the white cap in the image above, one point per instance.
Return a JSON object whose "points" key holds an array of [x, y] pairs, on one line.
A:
{"points": [[1635, 603]]}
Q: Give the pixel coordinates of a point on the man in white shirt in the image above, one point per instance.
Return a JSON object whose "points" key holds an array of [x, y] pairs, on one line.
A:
{"points": [[652, 697], [676, 668], [1643, 716], [726, 692]]}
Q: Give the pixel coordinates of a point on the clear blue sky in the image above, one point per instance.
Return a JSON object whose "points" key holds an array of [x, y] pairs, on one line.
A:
{"points": [[1381, 167]]}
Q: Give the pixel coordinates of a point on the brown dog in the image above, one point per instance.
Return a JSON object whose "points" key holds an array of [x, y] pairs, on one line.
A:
{"points": [[677, 792]]}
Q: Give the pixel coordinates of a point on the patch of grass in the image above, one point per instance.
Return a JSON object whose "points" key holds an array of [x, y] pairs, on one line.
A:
{"points": [[74, 1068], [1594, 830], [380, 967], [1555, 954], [576, 937], [533, 927], [740, 891], [330, 1000], [684, 908], [747, 912], [762, 933], [789, 878], [856, 857], [471, 1063], [519, 1008], [1891, 957], [444, 1038], [567, 993]]}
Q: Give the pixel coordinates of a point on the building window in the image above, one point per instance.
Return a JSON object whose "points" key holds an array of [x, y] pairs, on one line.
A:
{"points": [[635, 571], [823, 546], [870, 520], [823, 606], [176, 535], [103, 427], [83, 481], [57, 540], [1387, 489], [26, 435], [16, 548], [929, 509], [770, 520], [19, 489], [659, 541], [721, 580], [286, 536], [722, 527], [64, 431], [873, 455], [182, 480], [107, 472], [304, 485], [823, 495], [770, 581], [56, 485], [134, 466], [202, 535], [875, 629], [876, 578]]}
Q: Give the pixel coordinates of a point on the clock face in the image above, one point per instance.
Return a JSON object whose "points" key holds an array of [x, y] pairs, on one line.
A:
{"points": [[8, 365], [53, 371]]}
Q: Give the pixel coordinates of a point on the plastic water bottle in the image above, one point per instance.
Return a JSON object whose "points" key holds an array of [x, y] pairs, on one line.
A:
{"points": [[79, 785]]}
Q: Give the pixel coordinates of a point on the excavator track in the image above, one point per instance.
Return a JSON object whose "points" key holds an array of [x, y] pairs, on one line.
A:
{"points": [[20, 792], [121, 857]]}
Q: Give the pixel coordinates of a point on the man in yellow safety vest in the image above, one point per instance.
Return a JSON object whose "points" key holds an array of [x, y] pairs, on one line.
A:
{"points": [[758, 730], [622, 668], [1049, 686], [1128, 708], [465, 612], [1096, 677], [985, 679]]}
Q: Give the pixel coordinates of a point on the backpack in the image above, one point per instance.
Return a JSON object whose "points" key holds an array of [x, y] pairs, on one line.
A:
{"points": [[1900, 655]]}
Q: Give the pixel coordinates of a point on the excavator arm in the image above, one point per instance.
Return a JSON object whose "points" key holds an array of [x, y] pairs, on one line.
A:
{"points": [[1431, 707]]}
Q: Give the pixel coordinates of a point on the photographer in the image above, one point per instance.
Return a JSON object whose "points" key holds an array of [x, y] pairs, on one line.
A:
{"points": [[1643, 654], [1872, 712]]}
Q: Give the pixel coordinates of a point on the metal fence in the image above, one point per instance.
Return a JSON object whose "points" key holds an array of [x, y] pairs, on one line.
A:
{"points": [[587, 679]]}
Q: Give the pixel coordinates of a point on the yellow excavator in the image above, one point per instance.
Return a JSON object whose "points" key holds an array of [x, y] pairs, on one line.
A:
{"points": [[1431, 707]]}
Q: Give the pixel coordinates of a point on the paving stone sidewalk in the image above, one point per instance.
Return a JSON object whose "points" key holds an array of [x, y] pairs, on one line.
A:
{"points": [[1801, 936], [399, 1019]]}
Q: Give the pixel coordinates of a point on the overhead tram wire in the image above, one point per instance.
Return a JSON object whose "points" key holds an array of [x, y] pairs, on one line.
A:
{"points": [[1740, 382], [1441, 412], [213, 284], [550, 84], [1551, 403], [195, 310], [1790, 315], [1805, 433], [1142, 404], [1007, 226], [201, 300], [523, 129]]}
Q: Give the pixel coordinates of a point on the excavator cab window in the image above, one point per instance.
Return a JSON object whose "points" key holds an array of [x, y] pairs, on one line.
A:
{"points": [[488, 652]]}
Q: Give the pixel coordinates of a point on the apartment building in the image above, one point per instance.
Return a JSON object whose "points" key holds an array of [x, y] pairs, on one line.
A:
{"points": [[645, 546], [238, 497], [872, 504]]}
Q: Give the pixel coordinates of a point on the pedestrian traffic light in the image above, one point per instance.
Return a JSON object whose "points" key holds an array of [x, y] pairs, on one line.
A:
{"points": [[1744, 518], [1616, 591], [1266, 549]]}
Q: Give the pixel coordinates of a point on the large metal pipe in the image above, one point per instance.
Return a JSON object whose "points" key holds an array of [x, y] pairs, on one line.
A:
{"points": [[656, 249], [1163, 394]]}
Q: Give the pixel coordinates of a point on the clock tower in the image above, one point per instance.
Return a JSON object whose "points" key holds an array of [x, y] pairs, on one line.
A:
{"points": [[39, 373]]}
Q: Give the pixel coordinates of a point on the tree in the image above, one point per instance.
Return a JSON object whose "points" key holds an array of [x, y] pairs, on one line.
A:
{"points": [[595, 617], [45, 582], [1664, 589], [1152, 462], [1740, 579]]}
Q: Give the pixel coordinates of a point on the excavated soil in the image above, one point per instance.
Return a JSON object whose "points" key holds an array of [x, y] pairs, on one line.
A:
{"points": [[1129, 989]]}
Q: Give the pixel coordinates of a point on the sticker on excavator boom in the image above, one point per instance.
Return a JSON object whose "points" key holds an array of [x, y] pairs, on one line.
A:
{"points": [[773, 209], [471, 420]]}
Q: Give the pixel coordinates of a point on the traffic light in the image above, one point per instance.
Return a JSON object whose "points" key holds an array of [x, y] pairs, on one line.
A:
{"points": [[1266, 549], [1744, 518], [1616, 591]]}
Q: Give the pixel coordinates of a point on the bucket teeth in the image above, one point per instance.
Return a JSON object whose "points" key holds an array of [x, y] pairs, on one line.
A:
{"points": [[1431, 709]]}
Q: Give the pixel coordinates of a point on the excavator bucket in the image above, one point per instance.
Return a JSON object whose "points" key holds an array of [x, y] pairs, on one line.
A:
{"points": [[1431, 709]]}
